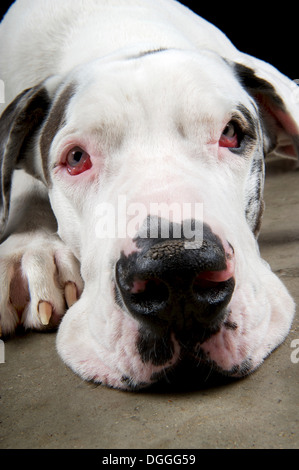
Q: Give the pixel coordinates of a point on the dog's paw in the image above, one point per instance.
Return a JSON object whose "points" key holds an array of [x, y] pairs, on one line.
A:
{"points": [[39, 280]]}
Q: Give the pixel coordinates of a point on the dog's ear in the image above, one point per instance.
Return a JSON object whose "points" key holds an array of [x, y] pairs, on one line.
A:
{"points": [[277, 98], [18, 125]]}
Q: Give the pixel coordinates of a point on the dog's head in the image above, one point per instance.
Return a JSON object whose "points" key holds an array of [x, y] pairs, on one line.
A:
{"points": [[155, 170]]}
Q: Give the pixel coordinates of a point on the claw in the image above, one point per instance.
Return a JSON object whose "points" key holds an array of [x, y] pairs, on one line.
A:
{"points": [[70, 293], [45, 312]]}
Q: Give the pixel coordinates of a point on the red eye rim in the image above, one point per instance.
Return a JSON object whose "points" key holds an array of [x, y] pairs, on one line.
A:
{"points": [[77, 161], [230, 137]]}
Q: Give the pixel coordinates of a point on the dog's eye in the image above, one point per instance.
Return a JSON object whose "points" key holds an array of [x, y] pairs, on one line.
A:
{"points": [[77, 161], [230, 137]]}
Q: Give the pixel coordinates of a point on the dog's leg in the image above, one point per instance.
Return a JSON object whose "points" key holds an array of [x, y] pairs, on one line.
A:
{"points": [[39, 276]]}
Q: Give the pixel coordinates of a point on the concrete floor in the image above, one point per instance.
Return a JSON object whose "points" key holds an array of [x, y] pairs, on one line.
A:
{"points": [[44, 405]]}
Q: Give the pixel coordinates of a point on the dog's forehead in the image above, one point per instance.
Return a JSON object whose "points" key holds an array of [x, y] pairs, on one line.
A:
{"points": [[157, 81]]}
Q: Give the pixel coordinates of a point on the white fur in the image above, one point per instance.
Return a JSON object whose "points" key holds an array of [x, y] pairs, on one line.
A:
{"points": [[127, 114]]}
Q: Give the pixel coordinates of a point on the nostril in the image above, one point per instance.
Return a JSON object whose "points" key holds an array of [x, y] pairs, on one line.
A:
{"points": [[201, 282], [211, 277], [212, 290], [203, 285], [139, 286], [148, 295]]}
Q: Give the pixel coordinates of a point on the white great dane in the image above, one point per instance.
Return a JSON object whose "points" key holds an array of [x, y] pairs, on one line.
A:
{"points": [[144, 103]]}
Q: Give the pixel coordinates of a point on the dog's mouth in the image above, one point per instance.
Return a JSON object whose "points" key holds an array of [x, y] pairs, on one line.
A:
{"points": [[166, 348], [184, 365]]}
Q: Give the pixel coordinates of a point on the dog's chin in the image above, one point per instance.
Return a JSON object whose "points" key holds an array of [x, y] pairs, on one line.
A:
{"points": [[193, 370], [189, 374], [123, 354]]}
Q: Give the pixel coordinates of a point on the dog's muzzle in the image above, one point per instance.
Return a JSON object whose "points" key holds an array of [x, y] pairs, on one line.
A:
{"points": [[171, 283]]}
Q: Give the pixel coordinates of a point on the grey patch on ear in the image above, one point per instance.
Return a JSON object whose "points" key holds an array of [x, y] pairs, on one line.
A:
{"points": [[55, 121], [256, 84], [281, 136], [18, 122], [279, 133]]}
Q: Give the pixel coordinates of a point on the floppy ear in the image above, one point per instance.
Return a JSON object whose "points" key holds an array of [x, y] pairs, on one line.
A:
{"points": [[278, 100], [18, 124]]}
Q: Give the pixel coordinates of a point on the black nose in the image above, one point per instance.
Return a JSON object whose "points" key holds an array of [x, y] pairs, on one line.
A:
{"points": [[167, 283]]}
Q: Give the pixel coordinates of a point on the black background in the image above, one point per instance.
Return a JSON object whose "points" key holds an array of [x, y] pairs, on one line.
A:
{"points": [[267, 30]]}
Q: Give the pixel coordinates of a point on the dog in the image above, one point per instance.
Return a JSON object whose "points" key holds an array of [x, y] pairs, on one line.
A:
{"points": [[132, 143]]}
